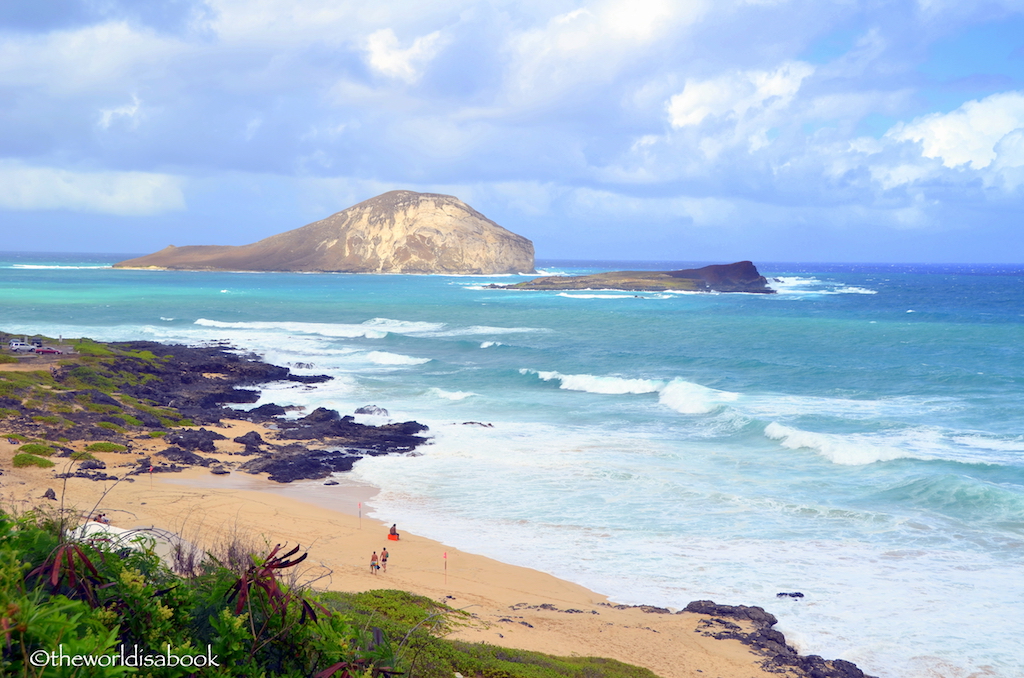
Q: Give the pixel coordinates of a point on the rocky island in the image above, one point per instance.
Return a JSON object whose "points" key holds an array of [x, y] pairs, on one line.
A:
{"points": [[396, 232], [739, 277]]}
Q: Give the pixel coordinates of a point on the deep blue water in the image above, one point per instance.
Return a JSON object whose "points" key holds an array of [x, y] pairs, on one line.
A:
{"points": [[858, 436]]}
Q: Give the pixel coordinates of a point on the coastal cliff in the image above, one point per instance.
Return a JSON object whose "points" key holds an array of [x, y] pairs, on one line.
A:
{"points": [[396, 232], [741, 276]]}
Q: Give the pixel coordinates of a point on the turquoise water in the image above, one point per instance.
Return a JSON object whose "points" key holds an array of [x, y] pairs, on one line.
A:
{"points": [[857, 437]]}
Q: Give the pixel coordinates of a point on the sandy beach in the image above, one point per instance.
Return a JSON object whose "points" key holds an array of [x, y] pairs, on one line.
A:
{"points": [[510, 606]]}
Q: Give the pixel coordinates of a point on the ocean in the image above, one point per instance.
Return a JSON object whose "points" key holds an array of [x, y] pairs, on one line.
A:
{"points": [[857, 437]]}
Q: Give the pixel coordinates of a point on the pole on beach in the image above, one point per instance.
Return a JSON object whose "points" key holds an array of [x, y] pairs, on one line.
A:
{"points": [[445, 568], [360, 515], [151, 476]]}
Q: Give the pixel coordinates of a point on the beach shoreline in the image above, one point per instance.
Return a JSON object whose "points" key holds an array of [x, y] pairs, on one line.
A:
{"points": [[147, 482], [511, 606]]}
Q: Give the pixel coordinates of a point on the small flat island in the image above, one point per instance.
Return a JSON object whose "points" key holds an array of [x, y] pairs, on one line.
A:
{"points": [[741, 276]]}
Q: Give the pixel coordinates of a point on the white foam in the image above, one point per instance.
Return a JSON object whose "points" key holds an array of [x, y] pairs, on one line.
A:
{"points": [[848, 450], [595, 296], [450, 395], [595, 384], [488, 344], [682, 396], [688, 398], [481, 329], [800, 286], [322, 329], [43, 266], [403, 326], [385, 358]]}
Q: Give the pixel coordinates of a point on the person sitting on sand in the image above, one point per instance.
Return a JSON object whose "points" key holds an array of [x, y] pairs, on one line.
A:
{"points": [[373, 563], [101, 518], [384, 559], [394, 531]]}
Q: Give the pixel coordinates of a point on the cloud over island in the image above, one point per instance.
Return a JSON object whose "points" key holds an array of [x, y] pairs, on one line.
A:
{"points": [[606, 129]]}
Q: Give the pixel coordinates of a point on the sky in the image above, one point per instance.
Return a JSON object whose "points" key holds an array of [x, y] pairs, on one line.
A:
{"points": [[685, 130]]}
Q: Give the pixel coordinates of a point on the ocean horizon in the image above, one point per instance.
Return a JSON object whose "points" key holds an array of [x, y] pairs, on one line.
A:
{"points": [[855, 437]]}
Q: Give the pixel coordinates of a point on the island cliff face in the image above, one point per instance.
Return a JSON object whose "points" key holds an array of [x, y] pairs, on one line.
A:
{"points": [[739, 277], [397, 232]]}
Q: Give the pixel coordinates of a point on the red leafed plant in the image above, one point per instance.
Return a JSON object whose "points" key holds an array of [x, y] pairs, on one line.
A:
{"points": [[71, 565]]}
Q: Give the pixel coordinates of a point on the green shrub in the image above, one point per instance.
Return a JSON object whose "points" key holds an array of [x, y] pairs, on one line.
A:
{"points": [[49, 419], [6, 359], [105, 447], [92, 348], [101, 408], [82, 456], [157, 434], [22, 460], [36, 448], [111, 426], [83, 376], [130, 420], [7, 412]]}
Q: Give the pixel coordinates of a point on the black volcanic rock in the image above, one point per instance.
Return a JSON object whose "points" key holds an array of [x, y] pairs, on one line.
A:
{"points": [[180, 456], [202, 440], [779, 657]]}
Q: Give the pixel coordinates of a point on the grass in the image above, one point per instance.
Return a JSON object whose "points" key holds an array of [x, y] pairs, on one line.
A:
{"points": [[23, 460], [111, 426], [82, 456], [105, 447], [37, 449], [7, 359], [91, 348], [49, 419], [157, 434]]}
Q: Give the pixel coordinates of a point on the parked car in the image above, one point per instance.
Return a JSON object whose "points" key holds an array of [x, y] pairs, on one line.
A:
{"points": [[19, 346], [47, 350]]}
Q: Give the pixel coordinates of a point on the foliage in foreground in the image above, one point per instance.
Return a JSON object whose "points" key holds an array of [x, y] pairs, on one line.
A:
{"points": [[92, 598]]}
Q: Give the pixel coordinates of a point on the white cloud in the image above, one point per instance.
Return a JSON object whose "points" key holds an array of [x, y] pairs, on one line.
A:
{"points": [[128, 111], [87, 59], [737, 94], [970, 134], [122, 193], [386, 56], [592, 44]]}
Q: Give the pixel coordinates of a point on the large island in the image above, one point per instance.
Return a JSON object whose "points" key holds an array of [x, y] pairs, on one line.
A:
{"points": [[396, 232]]}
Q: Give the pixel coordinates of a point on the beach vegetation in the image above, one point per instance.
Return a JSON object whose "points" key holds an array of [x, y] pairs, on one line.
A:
{"points": [[105, 447], [82, 456], [92, 596], [83, 376], [52, 420], [22, 460], [7, 412], [101, 408], [36, 448], [130, 420], [7, 359], [157, 434], [88, 347], [16, 436], [14, 384], [111, 426]]}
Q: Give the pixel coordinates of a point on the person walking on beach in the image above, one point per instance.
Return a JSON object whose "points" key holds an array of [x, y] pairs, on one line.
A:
{"points": [[384, 559], [373, 563]]}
